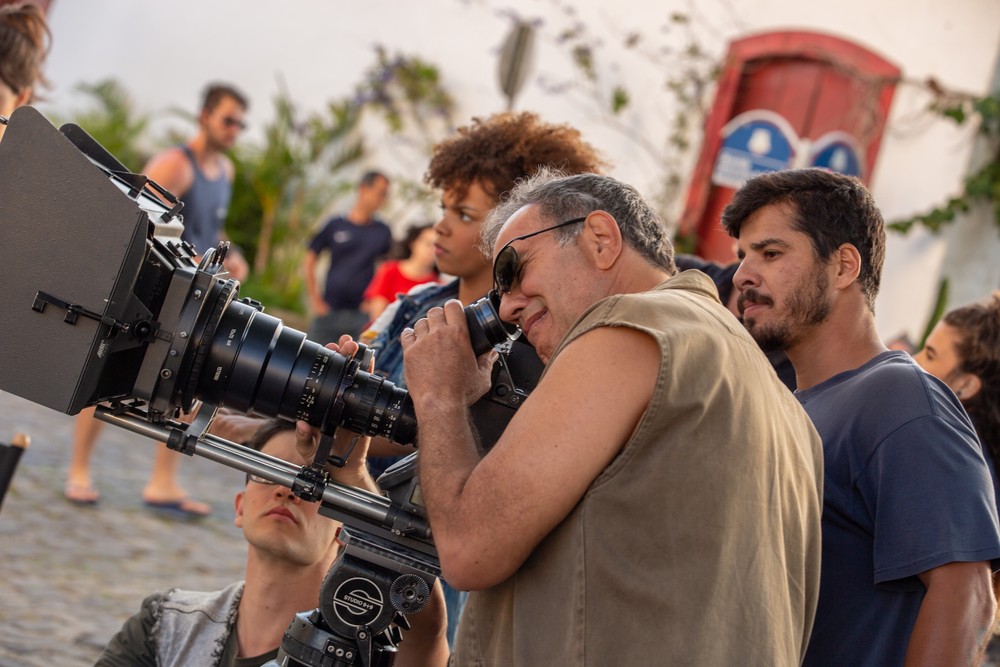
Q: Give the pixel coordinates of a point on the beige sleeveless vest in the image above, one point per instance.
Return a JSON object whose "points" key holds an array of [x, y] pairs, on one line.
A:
{"points": [[700, 543]]}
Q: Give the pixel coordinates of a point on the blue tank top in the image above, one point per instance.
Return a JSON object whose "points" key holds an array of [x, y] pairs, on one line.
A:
{"points": [[205, 206]]}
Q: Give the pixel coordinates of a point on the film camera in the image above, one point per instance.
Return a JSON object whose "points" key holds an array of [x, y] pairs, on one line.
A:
{"points": [[94, 268]]}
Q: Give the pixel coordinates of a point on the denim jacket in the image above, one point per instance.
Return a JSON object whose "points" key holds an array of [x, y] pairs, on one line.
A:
{"points": [[412, 306]]}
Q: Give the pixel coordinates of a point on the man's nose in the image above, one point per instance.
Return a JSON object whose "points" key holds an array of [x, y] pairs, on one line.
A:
{"points": [[284, 492], [511, 305], [745, 276]]}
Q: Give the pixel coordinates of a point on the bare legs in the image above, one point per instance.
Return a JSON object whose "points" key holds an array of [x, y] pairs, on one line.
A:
{"points": [[161, 490], [79, 485], [162, 487]]}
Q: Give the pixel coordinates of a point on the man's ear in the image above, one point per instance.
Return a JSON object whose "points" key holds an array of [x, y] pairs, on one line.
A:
{"points": [[238, 506], [24, 97], [601, 239], [848, 265], [967, 386]]}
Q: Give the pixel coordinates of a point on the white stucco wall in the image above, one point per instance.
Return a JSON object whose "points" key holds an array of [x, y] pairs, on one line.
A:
{"points": [[163, 52]]}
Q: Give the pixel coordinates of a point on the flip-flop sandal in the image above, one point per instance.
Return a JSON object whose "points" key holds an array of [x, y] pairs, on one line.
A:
{"points": [[176, 508], [81, 494]]}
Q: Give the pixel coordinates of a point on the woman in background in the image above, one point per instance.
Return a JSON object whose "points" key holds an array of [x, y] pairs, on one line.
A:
{"points": [[24, 43], [963, 350], [411, 264]]}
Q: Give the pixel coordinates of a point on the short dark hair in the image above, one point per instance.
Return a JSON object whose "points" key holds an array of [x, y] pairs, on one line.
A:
{"points": [[216, 92], [830, 208], [560, 197], [270, 428], [402, 249], [369, 177]]}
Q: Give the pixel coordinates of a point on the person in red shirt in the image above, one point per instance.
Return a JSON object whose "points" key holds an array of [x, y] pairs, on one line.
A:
{"points": [[415, 266]]}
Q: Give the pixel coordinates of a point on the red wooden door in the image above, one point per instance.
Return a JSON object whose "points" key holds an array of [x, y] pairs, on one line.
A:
{"points": [[828, 98]]}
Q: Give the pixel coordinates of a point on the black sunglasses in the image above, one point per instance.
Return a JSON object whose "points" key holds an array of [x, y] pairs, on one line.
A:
{"points": [[506, 266]]}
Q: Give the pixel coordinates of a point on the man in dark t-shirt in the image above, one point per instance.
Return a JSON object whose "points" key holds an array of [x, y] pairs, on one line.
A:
{"points": [[909, 513], [355, 242]]}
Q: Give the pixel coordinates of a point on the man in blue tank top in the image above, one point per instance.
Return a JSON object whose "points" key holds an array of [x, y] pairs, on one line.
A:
{"points": [[909, 514], [201, 175]]}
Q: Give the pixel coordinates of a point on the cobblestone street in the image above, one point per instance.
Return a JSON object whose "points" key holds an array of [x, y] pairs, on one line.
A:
{"points": [[69, 575]]}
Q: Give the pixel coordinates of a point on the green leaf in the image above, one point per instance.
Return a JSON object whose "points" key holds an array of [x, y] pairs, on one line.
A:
{"points": [[619, 99]]}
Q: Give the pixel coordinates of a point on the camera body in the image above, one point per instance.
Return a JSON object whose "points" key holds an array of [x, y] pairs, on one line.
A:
{"points": [[94, 268]]}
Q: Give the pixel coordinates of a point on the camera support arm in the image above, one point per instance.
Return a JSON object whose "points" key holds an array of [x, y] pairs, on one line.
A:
{"points": [[347, 502]]}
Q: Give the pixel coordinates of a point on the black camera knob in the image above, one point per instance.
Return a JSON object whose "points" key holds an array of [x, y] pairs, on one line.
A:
{"points": [[409, 593]]}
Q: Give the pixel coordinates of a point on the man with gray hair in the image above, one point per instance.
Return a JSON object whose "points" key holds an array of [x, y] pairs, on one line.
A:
{"points": [[656, 499]]}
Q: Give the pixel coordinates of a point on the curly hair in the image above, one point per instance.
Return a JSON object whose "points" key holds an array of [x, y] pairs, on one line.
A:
{"points": [[499, 150], [24, 43], [978, 348]]}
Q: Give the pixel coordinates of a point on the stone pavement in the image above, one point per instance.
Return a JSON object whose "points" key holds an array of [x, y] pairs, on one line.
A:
{"points": [[69, 576]]}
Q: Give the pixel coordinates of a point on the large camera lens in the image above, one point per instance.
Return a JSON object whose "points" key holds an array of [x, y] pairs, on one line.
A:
{"points": [[251, 362], [242, 359]]}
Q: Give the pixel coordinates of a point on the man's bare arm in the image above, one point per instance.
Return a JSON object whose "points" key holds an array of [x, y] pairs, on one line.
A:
{"points": [[316, 301], [953, 624], [489, 514], [171, 170], [425, 644]]}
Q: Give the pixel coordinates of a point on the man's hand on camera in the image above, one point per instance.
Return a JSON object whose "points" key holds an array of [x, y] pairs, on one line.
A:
{"points": [[235, 426], [438, 361], [355, 471]]}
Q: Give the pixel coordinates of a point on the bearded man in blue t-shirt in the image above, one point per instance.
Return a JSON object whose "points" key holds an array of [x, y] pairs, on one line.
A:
{"points": [[909, 513]]}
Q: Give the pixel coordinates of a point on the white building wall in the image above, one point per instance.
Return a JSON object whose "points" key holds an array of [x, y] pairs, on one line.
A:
{"points": [[163, 52]]}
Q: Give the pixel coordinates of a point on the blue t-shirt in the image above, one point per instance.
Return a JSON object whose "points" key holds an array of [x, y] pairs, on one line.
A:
{"points": [[906, 490], [353, 252]]}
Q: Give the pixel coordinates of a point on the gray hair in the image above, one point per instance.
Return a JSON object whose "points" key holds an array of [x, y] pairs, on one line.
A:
{"points": [[560, 197]]}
